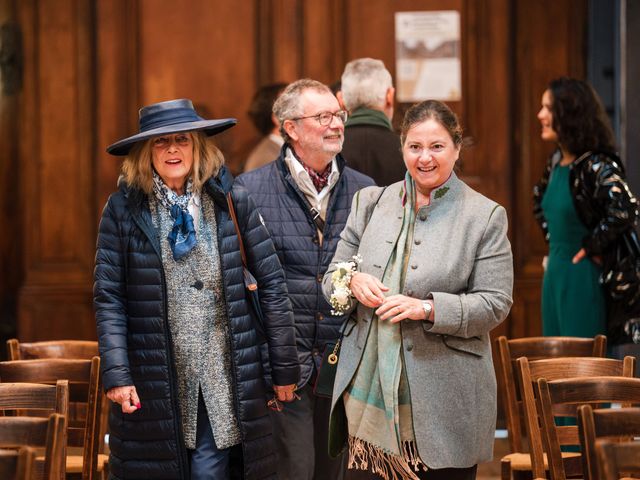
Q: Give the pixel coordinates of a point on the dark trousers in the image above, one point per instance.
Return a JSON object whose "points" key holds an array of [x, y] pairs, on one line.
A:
{"points": [[440, 474], [301, 438], [207, 461]]}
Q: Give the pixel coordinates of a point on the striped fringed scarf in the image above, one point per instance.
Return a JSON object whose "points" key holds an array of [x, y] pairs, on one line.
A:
{"points": [[377, 402]]}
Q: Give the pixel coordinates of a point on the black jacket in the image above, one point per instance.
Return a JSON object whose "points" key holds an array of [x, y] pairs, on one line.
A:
{"points": [[304, 259], [373, 149], [130, 299], [606, 206]]}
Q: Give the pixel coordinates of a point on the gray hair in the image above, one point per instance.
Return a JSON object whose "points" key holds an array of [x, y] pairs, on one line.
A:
{"points": [[365, 82], [287, 105]]}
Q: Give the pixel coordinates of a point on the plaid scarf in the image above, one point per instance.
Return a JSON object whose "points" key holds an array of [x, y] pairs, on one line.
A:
{"points": [[319, 179], [377, 403]]}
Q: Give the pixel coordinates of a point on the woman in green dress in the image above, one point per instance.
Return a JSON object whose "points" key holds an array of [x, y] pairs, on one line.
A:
{"points": [[584, 207]]}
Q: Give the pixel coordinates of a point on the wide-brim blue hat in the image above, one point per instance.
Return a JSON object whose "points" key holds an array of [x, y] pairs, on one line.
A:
{"points": [[169, 117]]}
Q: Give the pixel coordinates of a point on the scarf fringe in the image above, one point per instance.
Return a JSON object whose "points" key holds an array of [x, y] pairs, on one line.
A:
{"points": [[389, 466]]}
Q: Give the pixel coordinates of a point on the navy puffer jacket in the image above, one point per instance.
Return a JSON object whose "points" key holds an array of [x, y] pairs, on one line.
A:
{"points": [[282, 206], [130, 299]]}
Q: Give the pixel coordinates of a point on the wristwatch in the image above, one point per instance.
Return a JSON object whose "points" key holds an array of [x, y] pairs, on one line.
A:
{"points": [[428, 308]]}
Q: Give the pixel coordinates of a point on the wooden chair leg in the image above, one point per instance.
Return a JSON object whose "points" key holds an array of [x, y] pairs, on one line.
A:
{"points": [[505, 470]]}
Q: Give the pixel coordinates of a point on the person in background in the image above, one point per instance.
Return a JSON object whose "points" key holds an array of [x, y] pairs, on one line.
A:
{"points": [[177, 337], [586, 211], [260, 112], [425, 267], [336, 89], [370, 144], [304, 198]]}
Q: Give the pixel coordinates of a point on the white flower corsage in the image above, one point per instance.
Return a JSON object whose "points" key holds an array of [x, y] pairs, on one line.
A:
{"points": [[340, 279]]}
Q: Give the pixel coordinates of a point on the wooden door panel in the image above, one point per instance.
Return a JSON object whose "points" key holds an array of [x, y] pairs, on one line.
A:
{"points": [[57, 128]]}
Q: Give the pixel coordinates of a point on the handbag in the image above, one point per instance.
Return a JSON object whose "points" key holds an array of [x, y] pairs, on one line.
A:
{"points": [[326, 377], [253, 297], [323, 386]]}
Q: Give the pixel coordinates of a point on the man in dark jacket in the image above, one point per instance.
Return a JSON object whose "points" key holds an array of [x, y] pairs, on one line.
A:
{"points": [[370, 145], [304, 198]]}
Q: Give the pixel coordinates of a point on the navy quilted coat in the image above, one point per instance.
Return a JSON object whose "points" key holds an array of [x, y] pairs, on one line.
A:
{"points": [[281, 204], [130, 299]]}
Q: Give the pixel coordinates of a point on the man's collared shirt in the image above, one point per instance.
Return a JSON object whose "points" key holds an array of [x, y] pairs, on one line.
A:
{"points": [[319, 200]]}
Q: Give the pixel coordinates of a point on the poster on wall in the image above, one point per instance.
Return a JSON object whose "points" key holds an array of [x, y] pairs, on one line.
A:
{"points": [[428, 56]]}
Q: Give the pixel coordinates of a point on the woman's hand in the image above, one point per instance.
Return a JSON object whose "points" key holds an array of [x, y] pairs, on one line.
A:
{"points": [[285, 393], [367, 289], [125, 396], [582, 253], [400, 307]]}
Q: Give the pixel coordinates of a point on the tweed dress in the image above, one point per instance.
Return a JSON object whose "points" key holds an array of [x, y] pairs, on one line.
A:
{"points": [[199, 327]]}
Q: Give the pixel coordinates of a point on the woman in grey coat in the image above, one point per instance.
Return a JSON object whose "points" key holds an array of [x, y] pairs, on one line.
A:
{"points": [[426, 268]]}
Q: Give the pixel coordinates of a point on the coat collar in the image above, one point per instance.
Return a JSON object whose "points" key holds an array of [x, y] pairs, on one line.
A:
{"points": [[368, 116], [219, 186], [282, 165]]}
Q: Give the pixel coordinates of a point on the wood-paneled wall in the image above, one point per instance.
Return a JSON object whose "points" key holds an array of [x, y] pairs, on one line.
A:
{"points": [[89, 65]]}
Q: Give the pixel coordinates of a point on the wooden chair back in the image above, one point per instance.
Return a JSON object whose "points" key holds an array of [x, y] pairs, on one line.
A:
{"points": [[573, 392], [47, 433], [17, 397], [82, 349], [602, 424], [618, 459], [17, 464], [554, 369], [534, 348], [79, 349], [85, 397]]}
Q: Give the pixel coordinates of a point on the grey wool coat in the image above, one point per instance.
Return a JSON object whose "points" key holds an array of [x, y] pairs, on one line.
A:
{"points": [[461, 258]]}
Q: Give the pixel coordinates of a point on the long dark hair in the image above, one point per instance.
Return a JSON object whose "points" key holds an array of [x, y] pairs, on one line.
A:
{"points": [[579, 119]]}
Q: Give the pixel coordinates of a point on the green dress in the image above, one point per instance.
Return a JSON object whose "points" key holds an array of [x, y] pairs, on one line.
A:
{"points": [[573, 302]]}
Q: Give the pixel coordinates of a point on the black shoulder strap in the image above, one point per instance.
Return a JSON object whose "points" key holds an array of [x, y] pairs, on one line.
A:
{"points": [[315, 214]]}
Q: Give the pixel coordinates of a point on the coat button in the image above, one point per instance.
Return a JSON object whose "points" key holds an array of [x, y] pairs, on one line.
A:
{"points": [[413, 267], [418, 242], [409, 347], [319, 316], [315, 240], [422, 216], [409, 293], [319, 278]]}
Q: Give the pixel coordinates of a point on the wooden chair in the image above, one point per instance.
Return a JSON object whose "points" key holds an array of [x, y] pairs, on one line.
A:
{"points": [[569, 394], [534, 348], [85, 397], [554, 369], [81, 349], [35, 396], [618, 458], [602, 424], [27, 398], [47, 433], [17, 465]]}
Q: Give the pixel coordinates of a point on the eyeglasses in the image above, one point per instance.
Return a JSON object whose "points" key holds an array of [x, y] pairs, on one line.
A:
{"points": [[181, 139], [325, 118], [276, 405]]}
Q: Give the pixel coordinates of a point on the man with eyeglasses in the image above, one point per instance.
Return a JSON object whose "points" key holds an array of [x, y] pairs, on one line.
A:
{"points": [[304, 198]]}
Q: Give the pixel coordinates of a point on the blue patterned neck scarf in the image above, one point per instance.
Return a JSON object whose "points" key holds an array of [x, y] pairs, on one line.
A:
{"points": [[182, 237]]}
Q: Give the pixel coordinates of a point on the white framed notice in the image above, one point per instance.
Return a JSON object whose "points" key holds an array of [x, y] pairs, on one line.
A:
{"points": [[428, 56]]}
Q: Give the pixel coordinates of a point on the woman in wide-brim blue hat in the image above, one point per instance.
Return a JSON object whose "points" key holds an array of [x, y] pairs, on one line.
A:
{"points": [[180, 344]]}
